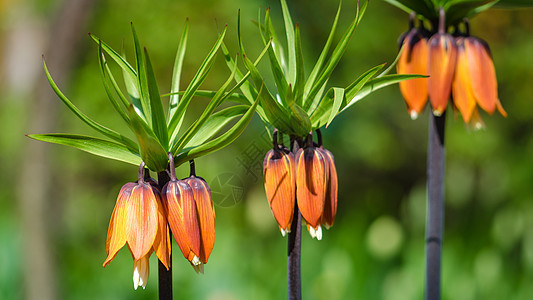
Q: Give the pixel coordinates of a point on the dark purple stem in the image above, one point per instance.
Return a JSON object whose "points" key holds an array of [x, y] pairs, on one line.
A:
{"points": [[165, 276], [435, 205], [294, 288]]}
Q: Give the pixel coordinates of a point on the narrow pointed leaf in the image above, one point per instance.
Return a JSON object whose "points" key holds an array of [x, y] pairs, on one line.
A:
{"points": [[121, 61], [319, 63], [378, 83], [142, 78], [176, 75], [105, 74], [219, 97], [289, 29], [197, 80], [338, 97], [215, 123], [152, 153], [274, 56], [219, 142], [300, 74], [103, 130], [132, 86], [96, 146], [159, 123]]}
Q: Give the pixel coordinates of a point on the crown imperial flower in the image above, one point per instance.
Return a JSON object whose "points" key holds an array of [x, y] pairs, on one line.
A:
{"points": [[139, 220], [191, 216], [280, 184]]}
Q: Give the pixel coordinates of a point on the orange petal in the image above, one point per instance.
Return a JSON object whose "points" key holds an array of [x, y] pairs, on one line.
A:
{"points": [[116, 233], [175, 193], [441, 66], [311, 178], [413, 60], [141, 226], [162, 239], [206, 215], [463, 96], [330, 205], [280, 186]]}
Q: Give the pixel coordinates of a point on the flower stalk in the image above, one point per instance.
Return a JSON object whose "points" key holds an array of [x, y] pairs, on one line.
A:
{"points": [[164, 275], [294, 288], [435, 205]]}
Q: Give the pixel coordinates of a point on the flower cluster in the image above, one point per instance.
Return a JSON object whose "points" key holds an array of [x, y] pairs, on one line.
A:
{"points": [[459, 64], [307, 175], [142, 216]]}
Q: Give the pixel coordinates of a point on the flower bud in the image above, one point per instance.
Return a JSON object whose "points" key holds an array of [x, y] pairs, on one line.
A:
{"points": [[413, 60], [475, 79], [311, 182], [280, 186], [442, 58]]}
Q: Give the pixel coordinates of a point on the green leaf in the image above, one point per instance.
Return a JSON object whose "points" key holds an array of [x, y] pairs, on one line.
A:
{"points": [[217, 99], [300, 74], [176, 74], [276, 114], [215, 123], [275, 62], [338, 97], [378, 83], [308, 101], [132, 86], [197, 80], [152, 152], [219, 142], [105, 72], [159, 123], [142, 78], [289, 29], [92, 145], [335, 56], [121, 61], [103, 130]]}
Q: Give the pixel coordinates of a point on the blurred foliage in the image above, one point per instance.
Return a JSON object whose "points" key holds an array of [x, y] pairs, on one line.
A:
{"points": [[376, 248]]}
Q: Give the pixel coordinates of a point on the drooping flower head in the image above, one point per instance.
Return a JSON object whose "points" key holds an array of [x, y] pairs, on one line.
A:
{"points": [[413, 60], [139, 220], [191, 216], [279, 173], [475, 81]]}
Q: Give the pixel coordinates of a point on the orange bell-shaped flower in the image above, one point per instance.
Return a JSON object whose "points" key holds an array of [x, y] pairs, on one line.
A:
{"points": [[442, 58], [139, 219], [191, 216], [475, 80], [414, 60], [279, 172], [311, 184]]}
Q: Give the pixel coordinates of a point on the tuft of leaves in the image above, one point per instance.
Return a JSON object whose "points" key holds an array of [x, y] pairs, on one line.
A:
{"points": [[157, 132]]}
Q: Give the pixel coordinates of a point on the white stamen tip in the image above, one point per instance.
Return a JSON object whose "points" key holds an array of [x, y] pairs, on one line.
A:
{"points": [[414, 115], [478, 126], [284, 232], [437, 113], [319, 233], [312, 232], [140, 272], [196, 261]]}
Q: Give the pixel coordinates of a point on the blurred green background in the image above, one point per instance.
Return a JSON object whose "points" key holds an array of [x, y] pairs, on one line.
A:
{"points": [[55, 202]]}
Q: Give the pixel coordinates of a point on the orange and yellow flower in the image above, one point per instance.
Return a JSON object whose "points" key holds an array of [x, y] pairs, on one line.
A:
{"points": [[280, 186], [139, 220], [191, 217], [475, 81], [413, 60]]}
